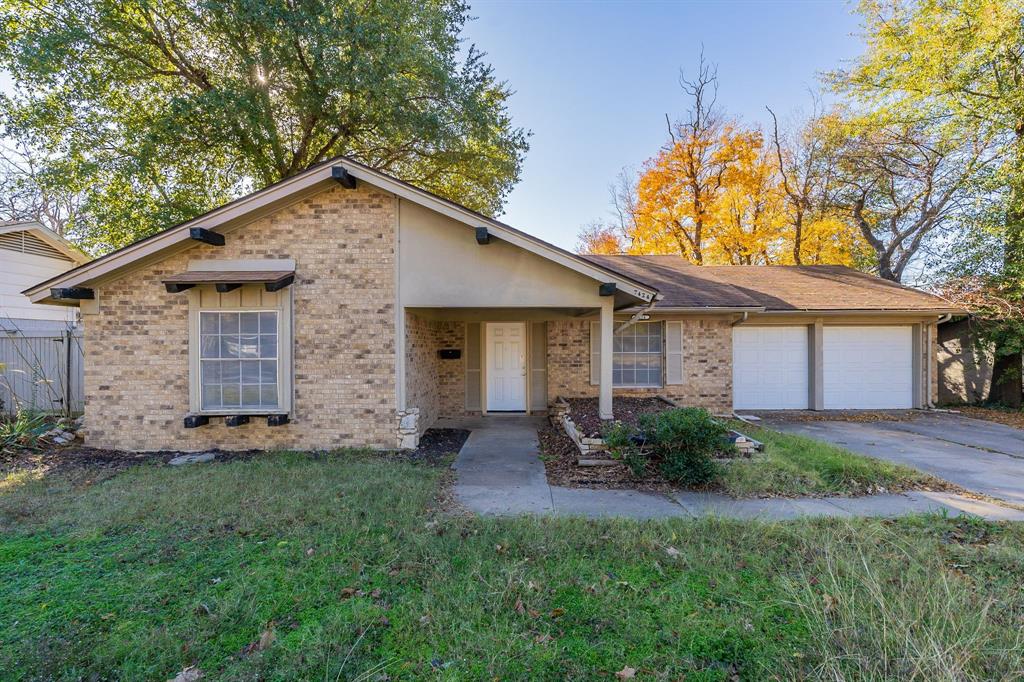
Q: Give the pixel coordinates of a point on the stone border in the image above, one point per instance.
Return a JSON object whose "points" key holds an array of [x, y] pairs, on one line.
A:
{"points": [[592, 449]]}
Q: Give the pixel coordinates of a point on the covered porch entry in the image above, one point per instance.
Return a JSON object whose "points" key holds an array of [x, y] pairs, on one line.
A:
{"points": [[460, 362]]}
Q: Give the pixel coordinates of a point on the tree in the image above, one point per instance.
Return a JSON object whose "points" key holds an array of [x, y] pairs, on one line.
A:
{"points": [[716, 193], [959, 64], [902, 182], [29, 191], [170, 107]]}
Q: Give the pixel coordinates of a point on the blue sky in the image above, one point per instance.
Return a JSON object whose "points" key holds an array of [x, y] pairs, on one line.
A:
{"points": [[594, 80]]}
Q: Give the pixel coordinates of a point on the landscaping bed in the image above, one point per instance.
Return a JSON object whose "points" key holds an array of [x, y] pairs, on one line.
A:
{"points": [[789, 466], [627, 411]]}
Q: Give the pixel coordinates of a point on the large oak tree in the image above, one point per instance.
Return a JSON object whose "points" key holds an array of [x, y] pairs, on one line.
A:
{"points": [[159, 109]]}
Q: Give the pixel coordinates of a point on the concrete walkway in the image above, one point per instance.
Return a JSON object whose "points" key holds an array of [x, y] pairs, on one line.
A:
{"points": [[500, 473]]}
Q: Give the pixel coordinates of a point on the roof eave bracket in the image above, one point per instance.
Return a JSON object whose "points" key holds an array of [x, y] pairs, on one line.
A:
{"points": [[72, 294], [201, 234], [343, 177], [483, 236]]}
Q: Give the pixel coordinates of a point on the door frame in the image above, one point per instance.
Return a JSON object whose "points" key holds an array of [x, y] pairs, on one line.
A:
{"points": [[484, 363]]}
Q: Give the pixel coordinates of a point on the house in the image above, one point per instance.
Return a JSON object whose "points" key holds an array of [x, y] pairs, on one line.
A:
{"points": [[30, 252], [344, 307]]}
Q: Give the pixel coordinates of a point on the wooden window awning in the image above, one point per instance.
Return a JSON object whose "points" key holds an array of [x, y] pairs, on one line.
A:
{"points": [[226, 281]]}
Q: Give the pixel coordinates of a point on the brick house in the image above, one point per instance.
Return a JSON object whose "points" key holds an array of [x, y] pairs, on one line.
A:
{"points": [[343, 307]]}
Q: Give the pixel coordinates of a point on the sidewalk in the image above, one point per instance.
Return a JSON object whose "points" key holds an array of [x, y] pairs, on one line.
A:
{"points": [[500, 473]]}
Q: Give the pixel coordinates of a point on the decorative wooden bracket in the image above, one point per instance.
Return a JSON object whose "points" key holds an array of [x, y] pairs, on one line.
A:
{"points": [[343, 177], [607, 289], [280, 283], [483, 236], [72, 294], [177, 287], [225, 287], [201, 234]]}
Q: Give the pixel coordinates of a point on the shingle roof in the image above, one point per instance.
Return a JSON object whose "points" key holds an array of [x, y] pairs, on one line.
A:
{"points": [[773, 287]]}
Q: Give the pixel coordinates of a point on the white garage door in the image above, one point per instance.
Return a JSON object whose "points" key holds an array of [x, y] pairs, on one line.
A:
{"points": [[868, 368], [769, 368]]}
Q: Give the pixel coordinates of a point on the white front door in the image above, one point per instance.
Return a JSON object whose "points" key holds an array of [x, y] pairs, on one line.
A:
{"points": [[505, 346]]}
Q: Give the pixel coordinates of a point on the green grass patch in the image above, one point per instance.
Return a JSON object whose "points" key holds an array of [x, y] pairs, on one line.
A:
{"points": [[793, 465], [343, 559]]}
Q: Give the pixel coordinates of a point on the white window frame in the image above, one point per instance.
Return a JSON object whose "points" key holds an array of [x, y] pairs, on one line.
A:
{"points": [[234, 302], [660, 354]]}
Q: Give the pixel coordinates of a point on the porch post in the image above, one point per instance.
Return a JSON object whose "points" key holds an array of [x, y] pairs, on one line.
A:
{"points": [[604, 402]]}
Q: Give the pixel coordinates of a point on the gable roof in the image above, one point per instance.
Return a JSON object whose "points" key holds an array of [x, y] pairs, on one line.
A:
{"points": [[772, 288], [32, 237], [245, 209]]}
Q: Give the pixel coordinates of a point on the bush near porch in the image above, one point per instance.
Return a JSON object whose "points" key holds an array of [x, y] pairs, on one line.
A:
{"points": [[342, 566]]}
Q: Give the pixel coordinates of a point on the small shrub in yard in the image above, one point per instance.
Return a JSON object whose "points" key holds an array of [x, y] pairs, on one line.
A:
{"points": [[682, 442]]}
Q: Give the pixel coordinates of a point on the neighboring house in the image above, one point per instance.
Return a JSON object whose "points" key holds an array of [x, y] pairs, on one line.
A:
{"points": [[40, 351], [30, 252], [344, 307], [965, 365]]}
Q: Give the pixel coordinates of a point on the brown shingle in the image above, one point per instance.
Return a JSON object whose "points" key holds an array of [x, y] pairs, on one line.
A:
{"points": [[774, 287]]}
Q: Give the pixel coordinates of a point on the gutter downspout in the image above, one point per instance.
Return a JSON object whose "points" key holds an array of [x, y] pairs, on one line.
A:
{"points": [[742, 319], [930, 355]]}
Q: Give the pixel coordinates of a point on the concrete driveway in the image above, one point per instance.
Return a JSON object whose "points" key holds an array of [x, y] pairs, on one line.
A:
{"points": [[981, 456]]}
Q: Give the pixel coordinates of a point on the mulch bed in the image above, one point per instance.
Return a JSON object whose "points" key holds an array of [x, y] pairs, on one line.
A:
{"points": [[585, 415], [435, 447], [560, 463]]}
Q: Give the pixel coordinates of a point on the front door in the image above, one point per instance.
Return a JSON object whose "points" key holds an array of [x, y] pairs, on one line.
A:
{"points": [[505, 346]]}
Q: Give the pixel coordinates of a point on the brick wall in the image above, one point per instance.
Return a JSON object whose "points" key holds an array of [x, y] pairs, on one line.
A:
{"points": [[437, 387], [707, 364], [136, 377]]}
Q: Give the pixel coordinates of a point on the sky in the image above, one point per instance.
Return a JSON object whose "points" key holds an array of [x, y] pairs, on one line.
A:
{"points": [[594, 80]]}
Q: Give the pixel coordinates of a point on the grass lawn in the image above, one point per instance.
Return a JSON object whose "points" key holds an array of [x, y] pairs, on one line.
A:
{"points": [[795, 465], [336, 568]]}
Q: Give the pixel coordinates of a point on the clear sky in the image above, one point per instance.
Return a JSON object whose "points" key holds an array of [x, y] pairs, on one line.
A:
{"points": [[594, 80]]}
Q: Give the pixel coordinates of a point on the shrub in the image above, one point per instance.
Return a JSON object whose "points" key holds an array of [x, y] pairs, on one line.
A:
{"points": [[681, 441], [684, 441], [622, 444]]}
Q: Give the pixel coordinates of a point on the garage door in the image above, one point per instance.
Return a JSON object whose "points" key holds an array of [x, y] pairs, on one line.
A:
{"points": [[769, 368], [868, 368]]}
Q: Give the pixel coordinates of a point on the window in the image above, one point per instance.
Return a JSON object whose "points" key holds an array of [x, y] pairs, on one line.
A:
{"points": [[637, 355], [238, 360]]}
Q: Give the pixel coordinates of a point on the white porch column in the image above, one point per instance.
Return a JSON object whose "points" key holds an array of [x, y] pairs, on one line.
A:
{"points": [[604, 403]]}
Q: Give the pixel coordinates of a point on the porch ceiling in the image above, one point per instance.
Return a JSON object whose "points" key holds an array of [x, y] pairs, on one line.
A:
{"points": [[504, 314]]}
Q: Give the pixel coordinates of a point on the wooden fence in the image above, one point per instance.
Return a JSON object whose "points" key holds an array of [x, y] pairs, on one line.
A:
{"points": [[42, 370]]}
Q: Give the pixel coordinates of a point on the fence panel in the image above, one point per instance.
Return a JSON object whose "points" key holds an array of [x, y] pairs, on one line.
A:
{"points": [[42, 370]]}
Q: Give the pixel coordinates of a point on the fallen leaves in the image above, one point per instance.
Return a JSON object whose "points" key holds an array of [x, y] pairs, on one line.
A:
{"points": [[626, 673], [189, 674]]}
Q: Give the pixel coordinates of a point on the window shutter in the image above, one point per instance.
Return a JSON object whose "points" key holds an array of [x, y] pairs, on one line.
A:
{"points": [[595, 353], [674, 353]]}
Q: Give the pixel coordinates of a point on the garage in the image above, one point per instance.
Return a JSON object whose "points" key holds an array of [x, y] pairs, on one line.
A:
{"points": [[769, 368], [869, 368]]}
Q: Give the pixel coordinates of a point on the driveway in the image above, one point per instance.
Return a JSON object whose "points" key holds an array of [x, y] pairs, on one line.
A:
{"points": [[981, 456]]}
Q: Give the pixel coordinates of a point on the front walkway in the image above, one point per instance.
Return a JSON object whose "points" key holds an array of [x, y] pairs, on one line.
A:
{"points": [[500, 473]]}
